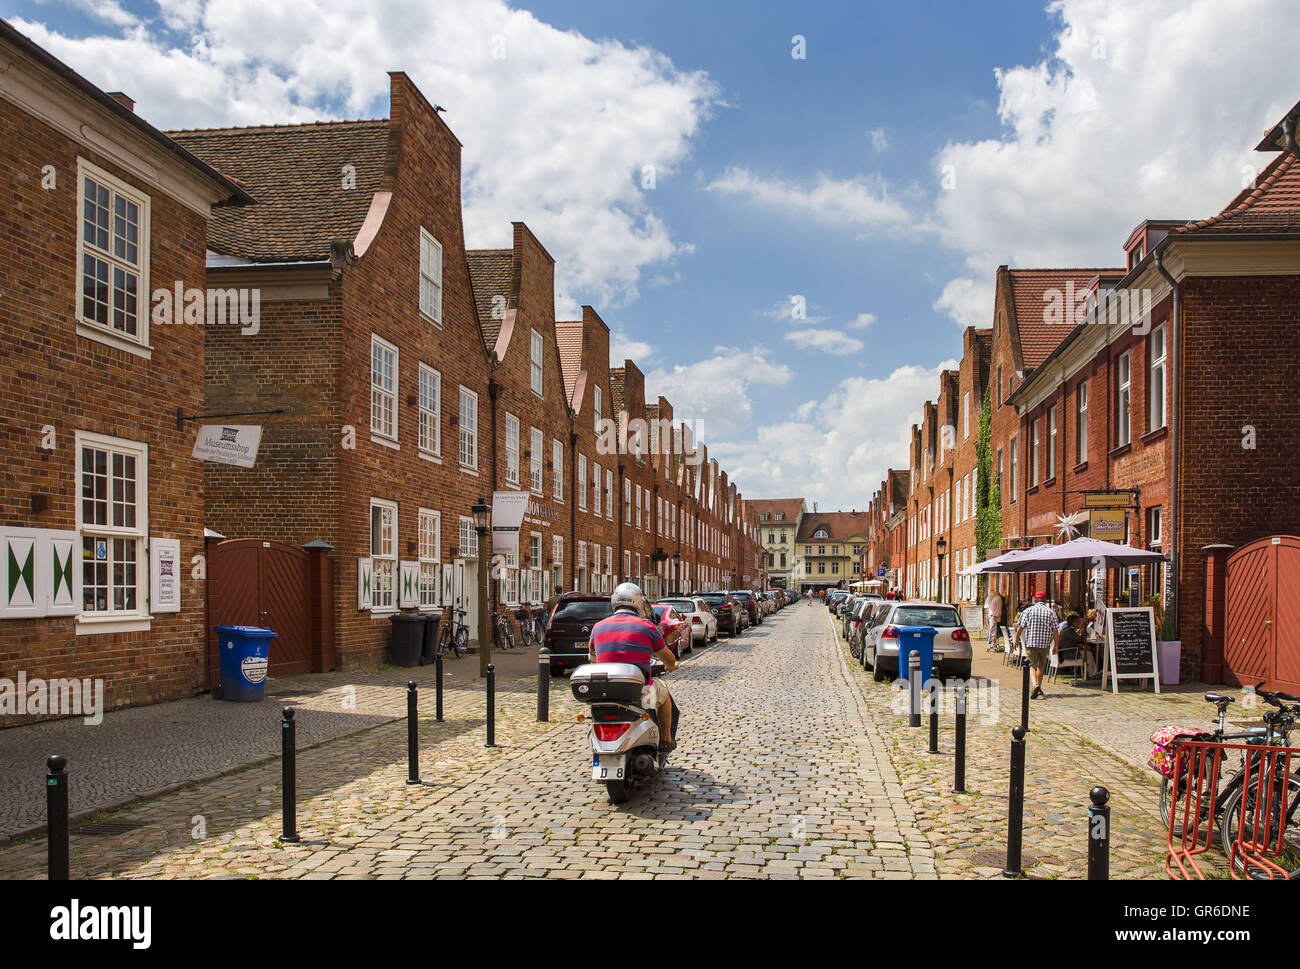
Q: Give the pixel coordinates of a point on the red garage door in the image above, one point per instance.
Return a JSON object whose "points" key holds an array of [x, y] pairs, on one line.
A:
{"points": [[1263, 597]]}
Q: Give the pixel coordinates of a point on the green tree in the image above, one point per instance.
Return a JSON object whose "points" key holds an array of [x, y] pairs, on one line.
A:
{"points": [[988, 497]]}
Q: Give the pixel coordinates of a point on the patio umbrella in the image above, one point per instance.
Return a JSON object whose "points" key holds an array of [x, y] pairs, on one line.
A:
{"points": [[1078, 553], [996, 563]]}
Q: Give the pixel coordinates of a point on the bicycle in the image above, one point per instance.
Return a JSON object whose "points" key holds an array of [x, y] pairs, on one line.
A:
{"points": [[532, 626], [503, 635], [455, 635]]}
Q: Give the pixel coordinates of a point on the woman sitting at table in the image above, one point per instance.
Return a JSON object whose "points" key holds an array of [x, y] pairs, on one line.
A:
{"points": [[1073, 641]]}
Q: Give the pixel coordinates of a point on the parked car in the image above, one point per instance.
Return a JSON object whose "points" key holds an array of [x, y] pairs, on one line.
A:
{"points": [[854, 619], [746, 598], [674, 626], [704, 625], [869, 626], [726, 609], [568, 630], [952, 649]]}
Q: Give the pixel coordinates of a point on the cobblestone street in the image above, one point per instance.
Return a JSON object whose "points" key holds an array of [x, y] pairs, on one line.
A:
{"points": [[792, 764]]}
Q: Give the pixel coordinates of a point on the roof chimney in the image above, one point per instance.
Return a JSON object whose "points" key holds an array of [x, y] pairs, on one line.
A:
{"points": [[123, 100]]}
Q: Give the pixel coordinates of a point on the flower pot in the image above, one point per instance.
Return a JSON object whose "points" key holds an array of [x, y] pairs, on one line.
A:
{"points": [[1170, 655]]}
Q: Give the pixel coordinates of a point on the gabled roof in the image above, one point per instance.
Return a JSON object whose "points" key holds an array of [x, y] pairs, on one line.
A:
{"points": [[491, 274], [1272, 205], [568, 339], [616, 379], [1038, 336], [840, 525], [294, 171], [789, 507]]}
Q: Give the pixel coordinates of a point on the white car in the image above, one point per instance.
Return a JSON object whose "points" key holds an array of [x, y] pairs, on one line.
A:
{"points": [[704, 624], [952, 650]]}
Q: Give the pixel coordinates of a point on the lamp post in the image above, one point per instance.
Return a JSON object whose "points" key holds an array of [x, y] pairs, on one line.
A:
{"points": [[677, 572], [480, 513], [733, 579], [941, 546]]}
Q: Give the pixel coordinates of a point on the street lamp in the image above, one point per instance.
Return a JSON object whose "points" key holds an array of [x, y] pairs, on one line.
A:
{"points": [[677, 571], [480, 513], [941, 546], [733, 578]]}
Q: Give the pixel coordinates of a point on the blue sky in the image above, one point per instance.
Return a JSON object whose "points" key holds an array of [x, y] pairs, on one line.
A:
{"points": [[774, 176]]}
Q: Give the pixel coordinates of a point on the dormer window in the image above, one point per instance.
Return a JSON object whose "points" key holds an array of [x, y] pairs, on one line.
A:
{"points": [[821, 533]]}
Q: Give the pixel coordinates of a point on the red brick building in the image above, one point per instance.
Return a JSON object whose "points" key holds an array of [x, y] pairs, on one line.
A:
{"points": [[101, 509]]}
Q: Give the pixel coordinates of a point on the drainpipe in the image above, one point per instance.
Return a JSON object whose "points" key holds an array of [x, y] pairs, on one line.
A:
{"points": [[1175, 325]]}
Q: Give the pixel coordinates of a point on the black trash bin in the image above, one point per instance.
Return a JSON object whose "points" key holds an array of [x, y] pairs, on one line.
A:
{"points": [[430, 652], [408, 638]]}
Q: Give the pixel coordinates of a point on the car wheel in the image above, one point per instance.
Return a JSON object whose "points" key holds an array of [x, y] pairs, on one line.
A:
{"points": [[877, 673]]}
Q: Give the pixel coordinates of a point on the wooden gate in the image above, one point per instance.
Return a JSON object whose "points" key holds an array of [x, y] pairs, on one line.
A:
{"points": [[1263, 612], [257, 583]]}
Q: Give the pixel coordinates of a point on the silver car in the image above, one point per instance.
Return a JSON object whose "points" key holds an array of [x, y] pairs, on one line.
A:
{"points": [[704, 625], [952, 650]]}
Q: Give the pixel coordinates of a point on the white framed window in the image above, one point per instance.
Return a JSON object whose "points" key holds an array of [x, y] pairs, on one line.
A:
{"points": [[609, 495], [1051, 442], [557, 560], [595, 489], [467, 424], [627, 500], [512, 449], [1156, 380], [582, 482], [597, 406], [638, 506], [113, 522], [1035, 441], [535, 460], [1123, 428], [383, 554], [113, 256], [383, 388], [557, 474], [534, 550], [965, 415], [430, 410], [535, 365], [430, 552], [468, 538], [1014, 466], [1081, 424], [430, 276]]}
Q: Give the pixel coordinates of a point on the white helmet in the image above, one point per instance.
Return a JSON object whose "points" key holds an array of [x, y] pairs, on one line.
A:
{"points": [[627, 595]]}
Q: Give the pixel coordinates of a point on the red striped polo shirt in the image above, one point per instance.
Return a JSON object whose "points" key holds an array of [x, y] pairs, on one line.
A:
{"points": [[626, 638]]}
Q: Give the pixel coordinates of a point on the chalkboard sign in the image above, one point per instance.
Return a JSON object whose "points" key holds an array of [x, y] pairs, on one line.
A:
{"points": [[1130, 647]]}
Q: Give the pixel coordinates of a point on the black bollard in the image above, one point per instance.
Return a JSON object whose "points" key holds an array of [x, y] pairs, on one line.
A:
{"points": [[914, 688], [412, 733], [491, 706], [437, 684], [934, 718], [1099, 835], [289, 768], [1024, 694], [1016, 804], [56, 817], [543, 685], [959, 769]]}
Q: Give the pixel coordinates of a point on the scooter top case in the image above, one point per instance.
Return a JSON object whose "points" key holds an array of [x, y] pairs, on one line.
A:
{"points": [[607, 682]]}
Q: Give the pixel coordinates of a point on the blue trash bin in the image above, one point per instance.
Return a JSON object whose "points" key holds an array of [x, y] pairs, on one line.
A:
{"points": [[245, 658], [916, 639]]}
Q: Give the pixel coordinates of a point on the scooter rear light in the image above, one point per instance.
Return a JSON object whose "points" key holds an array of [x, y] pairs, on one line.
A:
{"points": [[610, 731], [889, 632]]}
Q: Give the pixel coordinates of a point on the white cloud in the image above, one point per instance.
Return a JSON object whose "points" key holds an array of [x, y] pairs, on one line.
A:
{"points": [[714, 393], [836, 450], [1146, 110], [879, 140], [622, 347], [863, 202], [862, 321], [784, 310], [828, 341], [557, 130]]}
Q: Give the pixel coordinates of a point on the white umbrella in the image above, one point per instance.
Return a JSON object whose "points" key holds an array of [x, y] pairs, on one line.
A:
{"points": [[1078, 553], [995, 564]]}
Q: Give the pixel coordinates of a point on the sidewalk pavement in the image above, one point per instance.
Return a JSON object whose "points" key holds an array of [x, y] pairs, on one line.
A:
{"points": [[138, 753]]}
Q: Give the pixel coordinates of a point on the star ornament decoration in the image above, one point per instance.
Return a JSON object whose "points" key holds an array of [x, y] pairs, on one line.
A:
{"points": [[1067, 525]]}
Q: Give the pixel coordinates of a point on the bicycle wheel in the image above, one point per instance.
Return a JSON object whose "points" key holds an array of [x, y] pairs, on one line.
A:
{"points": [[460, 642], [1289, 857], [505, 636]]}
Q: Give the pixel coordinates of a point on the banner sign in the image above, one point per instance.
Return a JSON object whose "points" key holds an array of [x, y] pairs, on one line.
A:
{"points": [[164, 575], [228, 444], [508, 509], [1108, 525], [1130, 647], [1107, 499]]}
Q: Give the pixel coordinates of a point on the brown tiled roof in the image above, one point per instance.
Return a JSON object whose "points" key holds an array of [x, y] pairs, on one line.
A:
{"points": [[840, 525], [568, 338], [1273, 205], [491, 273], [295, 172], [772, 506], [1038, 336]]}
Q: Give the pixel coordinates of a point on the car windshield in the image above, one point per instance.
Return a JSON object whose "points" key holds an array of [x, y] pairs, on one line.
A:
{"points": [[925, 616], [714, 597], [681, 605], [582, 610]]}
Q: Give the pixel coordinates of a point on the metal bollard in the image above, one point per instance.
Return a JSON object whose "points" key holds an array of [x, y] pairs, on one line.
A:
{"points": [[1024, 694], [1016, 804], [1099, 835], [412, 733], [491, 706], [959, 769], [543, 685], [914, 688], [289, 772], [437, 686], [56, 817], [934, 718]]}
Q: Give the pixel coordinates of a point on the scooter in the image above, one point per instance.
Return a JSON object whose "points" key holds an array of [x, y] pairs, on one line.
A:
{"points": [[624, 736]]}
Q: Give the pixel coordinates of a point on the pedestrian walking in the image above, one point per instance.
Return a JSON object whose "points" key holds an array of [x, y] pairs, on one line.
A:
{"points": [[994, 605], [1037, 625]]}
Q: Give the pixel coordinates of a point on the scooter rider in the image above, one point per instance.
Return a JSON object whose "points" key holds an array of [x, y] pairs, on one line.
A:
{"points": [[629, 637]]}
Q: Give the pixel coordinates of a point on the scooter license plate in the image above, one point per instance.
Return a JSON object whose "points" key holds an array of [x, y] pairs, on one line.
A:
{"points": [[608, 767]]}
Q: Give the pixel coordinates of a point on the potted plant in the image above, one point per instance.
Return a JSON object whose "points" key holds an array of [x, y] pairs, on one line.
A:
{"points": [[1170, 650]]}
